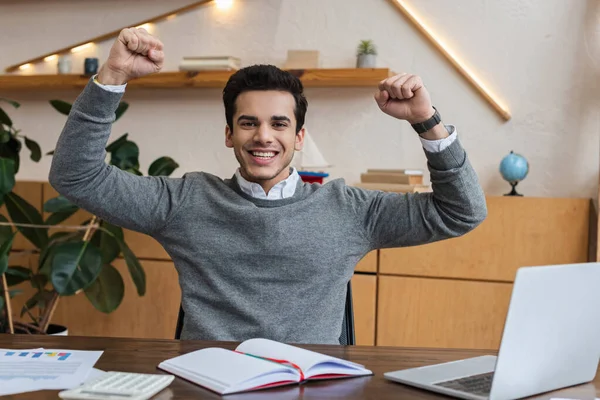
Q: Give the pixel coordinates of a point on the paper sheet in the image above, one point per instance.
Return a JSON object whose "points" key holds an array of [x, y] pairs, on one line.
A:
{"points": [[45, 369]]}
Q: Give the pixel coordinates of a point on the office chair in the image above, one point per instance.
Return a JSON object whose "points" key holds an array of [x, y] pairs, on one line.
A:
{"points": [[346, 337]]}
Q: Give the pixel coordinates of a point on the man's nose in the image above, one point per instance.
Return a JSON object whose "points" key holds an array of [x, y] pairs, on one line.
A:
{"points": [[263, 134]]}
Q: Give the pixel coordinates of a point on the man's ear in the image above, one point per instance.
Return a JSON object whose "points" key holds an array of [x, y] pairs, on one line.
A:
{"points": [[228, 138], [299, 143]]}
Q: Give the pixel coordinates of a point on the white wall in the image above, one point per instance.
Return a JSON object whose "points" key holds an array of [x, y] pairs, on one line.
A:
{"points": [[541, 57]]}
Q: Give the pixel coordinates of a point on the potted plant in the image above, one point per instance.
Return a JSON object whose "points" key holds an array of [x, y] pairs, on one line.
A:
{"points": [[366, 54], [73, 259]]}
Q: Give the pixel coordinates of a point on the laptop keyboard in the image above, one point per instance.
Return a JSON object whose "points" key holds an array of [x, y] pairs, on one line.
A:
{"points": [[480, 385]]}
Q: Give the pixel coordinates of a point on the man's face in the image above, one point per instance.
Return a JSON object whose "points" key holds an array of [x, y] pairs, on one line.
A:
{"points": [[263, 136]]}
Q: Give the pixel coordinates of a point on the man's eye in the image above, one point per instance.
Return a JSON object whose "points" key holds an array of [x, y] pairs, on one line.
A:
{"points": [[248, 123], [280, 125]]}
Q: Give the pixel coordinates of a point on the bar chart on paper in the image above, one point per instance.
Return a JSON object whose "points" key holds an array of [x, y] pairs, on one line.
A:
{"points": [[36, 369], [36, 354]]}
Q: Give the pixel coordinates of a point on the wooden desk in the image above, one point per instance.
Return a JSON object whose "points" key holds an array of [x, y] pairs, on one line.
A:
{"points": [[133, 355]]}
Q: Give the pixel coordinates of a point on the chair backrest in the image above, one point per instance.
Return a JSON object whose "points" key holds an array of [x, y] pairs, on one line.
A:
{"points": [[346, 337]]}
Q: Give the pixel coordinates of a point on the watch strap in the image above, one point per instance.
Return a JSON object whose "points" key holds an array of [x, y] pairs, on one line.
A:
{"points": [[422, 127]]}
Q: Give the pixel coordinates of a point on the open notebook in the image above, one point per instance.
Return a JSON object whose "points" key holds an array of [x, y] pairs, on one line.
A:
{"points": [[258, 364]]}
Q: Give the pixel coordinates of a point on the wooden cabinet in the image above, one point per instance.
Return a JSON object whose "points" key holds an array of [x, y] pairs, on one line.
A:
{"points": [[448, 313], [364, 300], [455, 293], [519, 231]]}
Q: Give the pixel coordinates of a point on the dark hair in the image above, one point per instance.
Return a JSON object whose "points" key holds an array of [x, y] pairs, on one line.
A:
{"points": [[264, 77]]}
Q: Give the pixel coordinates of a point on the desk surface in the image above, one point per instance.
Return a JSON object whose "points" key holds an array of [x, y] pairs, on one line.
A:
{"points": [[141, 355]]}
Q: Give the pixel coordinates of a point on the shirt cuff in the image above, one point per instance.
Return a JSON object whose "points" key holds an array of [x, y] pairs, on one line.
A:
{"points": [[110, 88], [435, 146]]}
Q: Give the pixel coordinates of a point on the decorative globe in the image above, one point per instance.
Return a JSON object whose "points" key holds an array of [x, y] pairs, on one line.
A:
{"points": [[514, 168]]}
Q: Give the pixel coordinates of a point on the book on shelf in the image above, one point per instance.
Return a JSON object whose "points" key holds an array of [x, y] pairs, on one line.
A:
{"points": [[258, 364], [396, 171], [224, 63], [374, 177], [395, 187]]}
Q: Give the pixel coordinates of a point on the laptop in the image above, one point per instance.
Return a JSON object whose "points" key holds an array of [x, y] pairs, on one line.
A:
{"points": [[551, 340]]}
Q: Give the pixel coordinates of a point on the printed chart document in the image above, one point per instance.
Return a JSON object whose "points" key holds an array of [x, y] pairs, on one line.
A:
{"points": [[44, 369], [258, 364]]}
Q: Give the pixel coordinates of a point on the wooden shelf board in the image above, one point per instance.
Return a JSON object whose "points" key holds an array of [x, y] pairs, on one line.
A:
{"points": [[334, 77]]}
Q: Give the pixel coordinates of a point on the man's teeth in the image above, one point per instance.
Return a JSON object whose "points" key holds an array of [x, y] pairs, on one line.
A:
{"points": [[263, 154]]}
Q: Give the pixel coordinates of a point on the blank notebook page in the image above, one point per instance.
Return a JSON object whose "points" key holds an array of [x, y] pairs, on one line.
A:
{"points": [[226, 367]]}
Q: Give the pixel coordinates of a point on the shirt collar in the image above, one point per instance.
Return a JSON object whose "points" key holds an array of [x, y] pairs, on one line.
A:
{"points": [[282, 190]]}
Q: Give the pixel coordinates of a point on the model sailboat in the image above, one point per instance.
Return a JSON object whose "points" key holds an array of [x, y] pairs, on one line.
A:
{"points": [[309, 159]]}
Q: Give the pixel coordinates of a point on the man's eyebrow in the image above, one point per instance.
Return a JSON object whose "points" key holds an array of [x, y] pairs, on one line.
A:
{"points": [[247, 117], [280, 118]]}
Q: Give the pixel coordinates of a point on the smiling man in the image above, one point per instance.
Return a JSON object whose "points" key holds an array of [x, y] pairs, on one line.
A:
{"points": [[262, 254], [266, 126]]}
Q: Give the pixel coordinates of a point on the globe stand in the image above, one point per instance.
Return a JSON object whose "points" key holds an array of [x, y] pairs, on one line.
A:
{"points": [[513, 192]]}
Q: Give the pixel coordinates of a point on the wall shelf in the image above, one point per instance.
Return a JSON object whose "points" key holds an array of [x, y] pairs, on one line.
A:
{"points": [[331, 77]]}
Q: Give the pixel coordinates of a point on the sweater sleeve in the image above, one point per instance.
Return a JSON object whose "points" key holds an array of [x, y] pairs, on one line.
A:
{"points": [[455, 206], [79, 171]]}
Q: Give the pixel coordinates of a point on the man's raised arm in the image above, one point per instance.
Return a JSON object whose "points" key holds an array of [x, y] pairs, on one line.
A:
{"points": [[457, 204], [79, 171]]}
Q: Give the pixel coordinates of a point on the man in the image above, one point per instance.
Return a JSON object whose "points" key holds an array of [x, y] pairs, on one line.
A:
{"points": [[262, 254]]}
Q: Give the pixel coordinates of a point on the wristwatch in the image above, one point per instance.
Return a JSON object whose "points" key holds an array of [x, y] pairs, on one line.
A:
{"points": [[422, 127]]}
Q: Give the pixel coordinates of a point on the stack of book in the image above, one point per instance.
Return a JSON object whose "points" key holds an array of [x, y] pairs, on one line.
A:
{"points": [[394, 180], [216, 63]]}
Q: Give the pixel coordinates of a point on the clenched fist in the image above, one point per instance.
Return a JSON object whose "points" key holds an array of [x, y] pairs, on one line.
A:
{"points": [[135, 53], [404, 97]]}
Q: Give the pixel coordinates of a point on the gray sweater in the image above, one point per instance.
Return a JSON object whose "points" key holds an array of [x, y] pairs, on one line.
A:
{"points": [[248, 267]]}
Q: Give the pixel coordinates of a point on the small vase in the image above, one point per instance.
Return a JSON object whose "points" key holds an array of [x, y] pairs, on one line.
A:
{"points": [[64, 65], [366, 61]]}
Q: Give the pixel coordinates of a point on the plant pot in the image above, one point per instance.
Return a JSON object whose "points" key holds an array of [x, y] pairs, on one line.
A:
{"points": [[57, 330], [366, 61]]}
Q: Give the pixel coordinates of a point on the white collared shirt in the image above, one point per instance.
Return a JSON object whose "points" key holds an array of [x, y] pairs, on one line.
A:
{"points": [[282, 190]]}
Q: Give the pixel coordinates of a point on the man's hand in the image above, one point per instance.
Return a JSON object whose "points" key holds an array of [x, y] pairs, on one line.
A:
{"points": [[404, 97], [135, 53]]}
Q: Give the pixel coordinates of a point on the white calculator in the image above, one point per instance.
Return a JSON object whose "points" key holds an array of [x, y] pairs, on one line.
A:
{"points": [[119, 385]]}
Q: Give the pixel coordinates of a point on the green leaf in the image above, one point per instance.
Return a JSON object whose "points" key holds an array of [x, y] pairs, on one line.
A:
{"points": [[115, 145], [16, 275], [4, 250], [36, 151], [134, 171], [4, 135], [5, 231], [21, 212], [11, 149], [135, 268], [59, 204], [107, 292], [126, 156], [4, 118], [162, 166], [106, 239], [58, 217], [121, 110], [11, 102], [61, 106], [7, 175], [75, 266]]}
